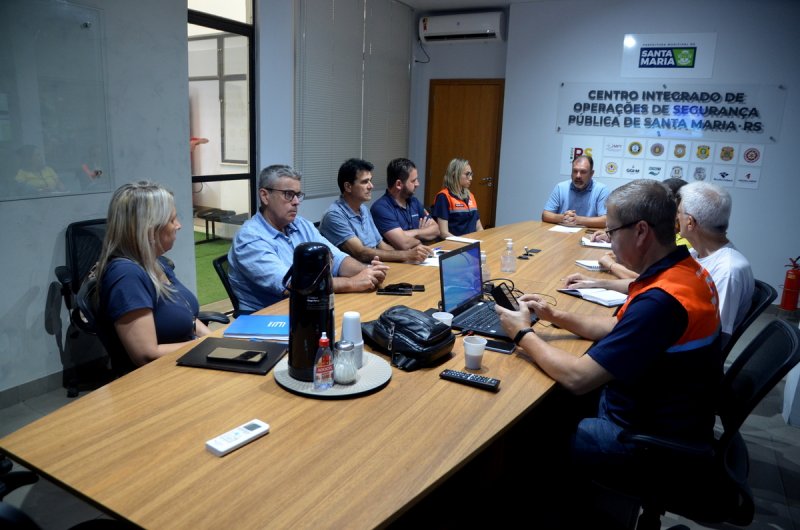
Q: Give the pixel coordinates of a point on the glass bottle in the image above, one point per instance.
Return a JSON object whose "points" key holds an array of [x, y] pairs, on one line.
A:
{"points": [[323, 364]]}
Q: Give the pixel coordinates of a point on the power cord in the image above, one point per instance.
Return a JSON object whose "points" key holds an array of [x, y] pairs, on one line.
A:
{"points": [[550, 299]]}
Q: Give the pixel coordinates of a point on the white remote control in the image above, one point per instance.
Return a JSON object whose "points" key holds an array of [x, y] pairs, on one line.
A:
{"points": [[234, 439]]}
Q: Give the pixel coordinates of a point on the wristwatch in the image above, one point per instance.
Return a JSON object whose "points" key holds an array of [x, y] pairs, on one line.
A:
{"points": [[521, 333]]}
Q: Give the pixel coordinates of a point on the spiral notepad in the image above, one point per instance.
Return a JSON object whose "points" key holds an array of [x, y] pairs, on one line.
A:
{"points": [[590, 264]]}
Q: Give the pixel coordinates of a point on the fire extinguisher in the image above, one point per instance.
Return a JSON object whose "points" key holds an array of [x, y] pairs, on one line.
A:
{"points": [[791, 285]]}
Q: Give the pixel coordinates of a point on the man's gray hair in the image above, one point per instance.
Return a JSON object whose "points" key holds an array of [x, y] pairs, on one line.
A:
{"points": [[269, 175], [645, 200], [709, 204]]}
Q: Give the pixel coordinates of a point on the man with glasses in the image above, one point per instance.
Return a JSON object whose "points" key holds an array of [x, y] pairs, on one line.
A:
{"points": [[348, 223], [263, 248], [657, 361], [400, 217], [580, 200]]}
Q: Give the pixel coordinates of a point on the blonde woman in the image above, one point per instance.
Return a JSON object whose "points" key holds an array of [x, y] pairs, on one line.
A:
{"points": [[144, 312], [455, 208]]}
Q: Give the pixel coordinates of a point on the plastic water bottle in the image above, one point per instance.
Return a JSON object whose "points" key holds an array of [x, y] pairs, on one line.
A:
{"points": [[485, 276], [323, 364], [508, 262]]}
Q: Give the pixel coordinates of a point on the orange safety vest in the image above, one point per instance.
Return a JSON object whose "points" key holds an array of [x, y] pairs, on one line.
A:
{"points": [[699, 298]]}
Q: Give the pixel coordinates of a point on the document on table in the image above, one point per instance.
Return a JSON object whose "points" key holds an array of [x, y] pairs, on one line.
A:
{"points": [[462, 239], [586, 242], [566, 229]]}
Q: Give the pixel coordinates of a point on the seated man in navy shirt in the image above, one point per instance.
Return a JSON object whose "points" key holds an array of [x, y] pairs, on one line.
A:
{"points": [[658, 360], [580, 200], [349, 225], [400, 217], [263, 249]]}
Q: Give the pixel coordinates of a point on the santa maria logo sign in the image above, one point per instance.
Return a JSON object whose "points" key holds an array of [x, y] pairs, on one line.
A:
{"points": [[667, 57]]}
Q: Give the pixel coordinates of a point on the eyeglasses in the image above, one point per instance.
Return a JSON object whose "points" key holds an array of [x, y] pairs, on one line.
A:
{"points": [[468, 173], [610, 231], [289, 195]]}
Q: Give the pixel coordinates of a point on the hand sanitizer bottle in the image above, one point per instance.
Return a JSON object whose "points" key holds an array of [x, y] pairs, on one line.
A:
{"points": [[323, 364], [508, 262], [485, 276]]}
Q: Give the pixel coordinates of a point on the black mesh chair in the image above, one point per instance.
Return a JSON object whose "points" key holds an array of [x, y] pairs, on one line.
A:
{"points": [[221, 265], [13, 518], [84, 360], [709, 485], [763, 295]]}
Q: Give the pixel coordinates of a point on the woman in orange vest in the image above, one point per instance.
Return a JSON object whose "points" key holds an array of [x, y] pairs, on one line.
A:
{"points": [[455, 208]]}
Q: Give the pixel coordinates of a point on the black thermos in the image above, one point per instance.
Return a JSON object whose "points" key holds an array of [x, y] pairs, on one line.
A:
{"points": [[310, 285]]}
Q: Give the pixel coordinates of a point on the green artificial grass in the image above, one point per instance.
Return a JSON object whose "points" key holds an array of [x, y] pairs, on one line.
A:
{"points": [[209, 286]]}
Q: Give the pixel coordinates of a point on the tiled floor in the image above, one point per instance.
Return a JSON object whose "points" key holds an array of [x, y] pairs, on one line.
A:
{"points": [[774, 455]]}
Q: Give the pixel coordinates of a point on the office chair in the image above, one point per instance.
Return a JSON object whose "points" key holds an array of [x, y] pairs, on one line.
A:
{"points": [[763, 295], [14, 518], [710, 485], [221, 265], [84, 360], [120, 362], [11, 480]]}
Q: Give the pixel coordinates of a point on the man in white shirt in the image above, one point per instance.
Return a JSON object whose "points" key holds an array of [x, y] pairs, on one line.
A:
{"points": [[703, 213]]}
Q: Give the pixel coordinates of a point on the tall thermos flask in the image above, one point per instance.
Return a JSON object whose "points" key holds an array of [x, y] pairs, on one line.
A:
{"points": [[310, 285]]}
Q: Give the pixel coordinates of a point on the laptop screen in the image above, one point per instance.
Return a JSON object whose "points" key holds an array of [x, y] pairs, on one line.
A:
{"points": [[460, 276]]}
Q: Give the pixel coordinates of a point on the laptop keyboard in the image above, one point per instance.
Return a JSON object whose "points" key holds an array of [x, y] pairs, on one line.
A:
{"points": [[482, 319]]}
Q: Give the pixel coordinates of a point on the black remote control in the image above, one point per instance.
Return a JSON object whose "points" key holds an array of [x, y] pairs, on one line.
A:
{"points": [[486, 383]]}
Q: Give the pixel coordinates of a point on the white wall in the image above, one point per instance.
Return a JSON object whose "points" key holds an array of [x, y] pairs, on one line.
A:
{"points": [[581, 41], [146, 65], [473, 60]]}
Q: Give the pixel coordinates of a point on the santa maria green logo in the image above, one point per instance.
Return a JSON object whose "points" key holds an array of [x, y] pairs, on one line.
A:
{"points": [[667, 57]]}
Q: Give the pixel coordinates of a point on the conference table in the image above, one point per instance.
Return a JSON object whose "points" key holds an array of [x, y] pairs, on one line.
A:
{"points": [[135, 447]]}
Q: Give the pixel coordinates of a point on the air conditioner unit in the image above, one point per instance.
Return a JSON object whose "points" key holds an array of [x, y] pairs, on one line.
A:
{"points": [[464, 27]]}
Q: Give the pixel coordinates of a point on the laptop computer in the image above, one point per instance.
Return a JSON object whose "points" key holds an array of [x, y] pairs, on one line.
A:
{"points": [[462, 292]]}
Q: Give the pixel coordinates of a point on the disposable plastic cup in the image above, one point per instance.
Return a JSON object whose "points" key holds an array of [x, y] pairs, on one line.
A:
{"points": [[473, 352], [351, 331], [443, 317]]}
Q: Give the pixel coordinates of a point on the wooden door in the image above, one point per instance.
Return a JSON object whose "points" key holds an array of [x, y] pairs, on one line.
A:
{"points": [[465, 121]]}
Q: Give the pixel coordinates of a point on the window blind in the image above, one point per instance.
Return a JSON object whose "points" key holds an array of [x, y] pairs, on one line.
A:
{"points": [[352, 83]]}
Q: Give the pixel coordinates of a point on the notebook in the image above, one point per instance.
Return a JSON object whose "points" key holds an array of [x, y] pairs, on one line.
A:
{"points": [[605, 297], [220, 354], [262, 327], [462, 292], [590, 264]]}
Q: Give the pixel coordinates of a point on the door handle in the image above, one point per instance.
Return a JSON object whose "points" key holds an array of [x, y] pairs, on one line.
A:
{"points": [[487, 179]]}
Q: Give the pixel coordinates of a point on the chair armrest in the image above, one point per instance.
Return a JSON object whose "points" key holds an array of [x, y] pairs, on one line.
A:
{"points": [[212, 316], [64, 275]]}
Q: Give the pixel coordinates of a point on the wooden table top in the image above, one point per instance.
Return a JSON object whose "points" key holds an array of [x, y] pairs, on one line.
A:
{"points": [[136, 447]]}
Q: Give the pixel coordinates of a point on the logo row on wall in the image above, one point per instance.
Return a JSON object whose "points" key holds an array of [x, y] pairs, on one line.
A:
{"points": [[726, 164]]}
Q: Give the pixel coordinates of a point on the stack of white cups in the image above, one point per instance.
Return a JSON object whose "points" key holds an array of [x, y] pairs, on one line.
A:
{"points": [[351, 331]]}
